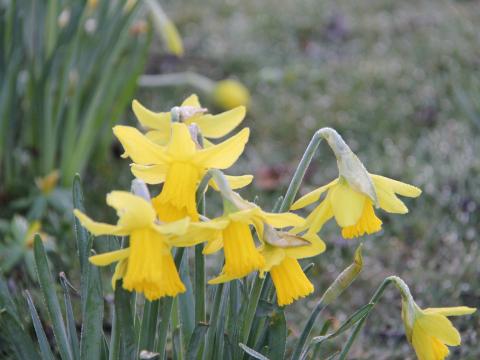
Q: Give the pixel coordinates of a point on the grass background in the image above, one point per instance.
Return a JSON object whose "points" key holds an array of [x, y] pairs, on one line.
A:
{"points": [[399, 80]]}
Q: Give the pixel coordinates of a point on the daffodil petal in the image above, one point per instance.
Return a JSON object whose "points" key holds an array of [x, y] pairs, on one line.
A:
{"points": [[397, 186], [244, 216], [109, 257], [312, 196], [440, 327], [217, 126], [222, 278], [389, 202], [151, 174], [347, 204], [138, 147], [422, 343], [235, 182], [175, 228], [199, 232], [213, 245], [151, 120], [223, 155], [158, 137], [273, 256], [119, 273], [280, 220], [99, 228], [317, 247], [192, 100], [181, 145], [133, 211], [451, 311]]}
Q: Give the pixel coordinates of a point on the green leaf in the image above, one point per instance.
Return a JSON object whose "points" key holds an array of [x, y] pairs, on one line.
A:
{"points": [[41, 337], [53, 306], [277, 335], [252, 352], [149, 325], [20, 342], [210, 342], [124, 314], [196, 341], [81, 233], [71, 325], [186, 306]]}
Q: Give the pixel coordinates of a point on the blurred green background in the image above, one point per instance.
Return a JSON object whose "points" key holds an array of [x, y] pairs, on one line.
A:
{"points": [[398, 79]]}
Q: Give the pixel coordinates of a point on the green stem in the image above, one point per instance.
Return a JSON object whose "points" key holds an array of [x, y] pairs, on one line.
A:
{"points": [[300, 171], [252, 308], [149, 324], [376, 296], [165, 314]]}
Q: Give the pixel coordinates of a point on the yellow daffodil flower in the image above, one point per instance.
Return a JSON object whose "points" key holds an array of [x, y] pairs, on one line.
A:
{"points": [[289, 280], [229, 94], [180, 165], [353, 210], [146, 266], [232, 233], [429, 330], [48, 183], [210, 126]]}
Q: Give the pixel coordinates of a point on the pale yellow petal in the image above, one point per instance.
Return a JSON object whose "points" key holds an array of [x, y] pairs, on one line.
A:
{"points": [[235, 182], [440, 327], [317, 218], [397, 186], [109, 257], [280, 220], [138, 147], [99, 228], [181, 146], [273, 256], [213, 245], [422, 343], [133, 211], [244, 216], [317, 247], [152, 120], [199, 232], [217, 126], [158, 137], [347, 204], [120, 271], [451, 311], [178, 227], [312, 196], [192, 100], [389, 202], [151, 174], [225, 154], [222, 278]]}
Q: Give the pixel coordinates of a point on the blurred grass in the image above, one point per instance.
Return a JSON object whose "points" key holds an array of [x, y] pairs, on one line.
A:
{"points": [[400, 81]]}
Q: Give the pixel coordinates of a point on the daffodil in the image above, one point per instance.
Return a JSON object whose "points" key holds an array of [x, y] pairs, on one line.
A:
{"points": [[430, 331], [353, 210], [289, 280], [232, 233], [230, 93], [180, 165], [351, 198], [146, 266], [191, 112]]}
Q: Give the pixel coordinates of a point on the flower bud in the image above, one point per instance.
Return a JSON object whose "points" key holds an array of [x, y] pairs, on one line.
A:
{"points": [[229, 94]]}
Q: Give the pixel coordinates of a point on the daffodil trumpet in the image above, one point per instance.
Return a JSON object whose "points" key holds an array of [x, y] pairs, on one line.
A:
{"points": [[351, 198]]}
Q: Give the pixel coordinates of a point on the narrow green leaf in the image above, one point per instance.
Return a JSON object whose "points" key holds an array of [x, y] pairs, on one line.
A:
{"points": [[53, 306], [148, 326], [186, 306], [114, 352], [210, 341], [71, 325], [124, 314], [252, 353], [20, 342], [41, 337], [80, 232], [277, 335], [196, 341], [6, 301]]}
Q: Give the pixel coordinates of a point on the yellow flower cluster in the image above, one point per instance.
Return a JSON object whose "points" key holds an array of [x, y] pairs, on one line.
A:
{"points": [[177, 150]]}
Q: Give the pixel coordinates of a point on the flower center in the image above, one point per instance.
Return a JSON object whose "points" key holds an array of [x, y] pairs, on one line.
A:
{"points": [[177, 198], [290, 281], [150, 268], [368, 223]]}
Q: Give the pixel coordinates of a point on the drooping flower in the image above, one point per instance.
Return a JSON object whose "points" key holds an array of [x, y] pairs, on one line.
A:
{"points": [[230, 93], [289, 280], [180, 165], [191, 112], [429, 330], [232, 233], [351, 197], [146, 266]]}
